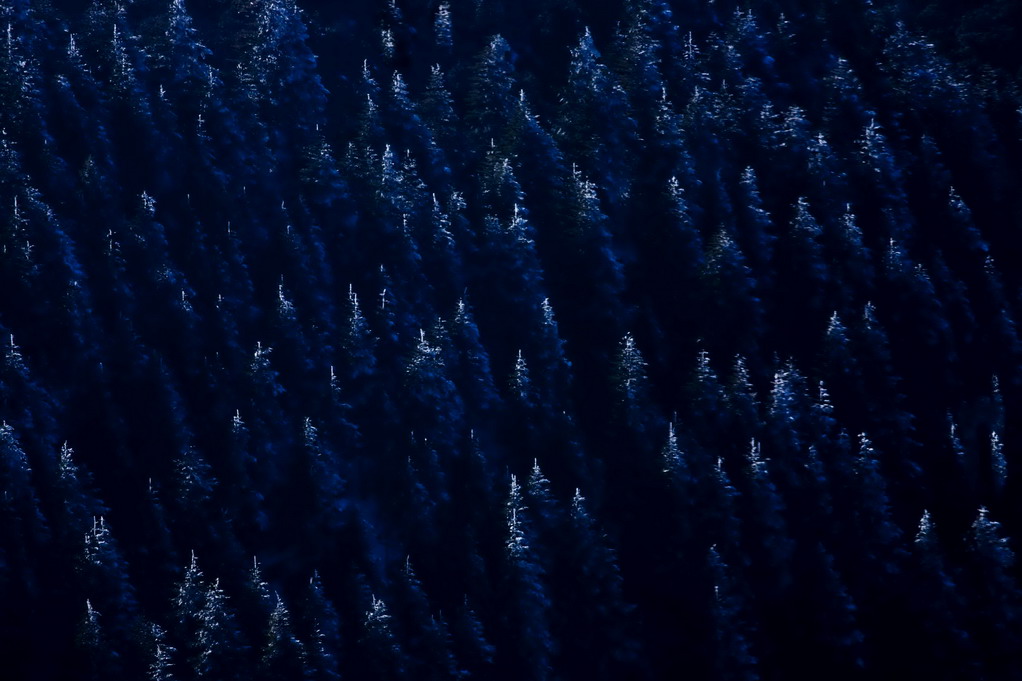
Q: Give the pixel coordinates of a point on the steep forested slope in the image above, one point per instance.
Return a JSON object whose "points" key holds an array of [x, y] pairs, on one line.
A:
{"points": [[546, 339]]}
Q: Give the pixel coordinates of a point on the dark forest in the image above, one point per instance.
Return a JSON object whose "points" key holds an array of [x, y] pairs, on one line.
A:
{"points": [[511, 340]]}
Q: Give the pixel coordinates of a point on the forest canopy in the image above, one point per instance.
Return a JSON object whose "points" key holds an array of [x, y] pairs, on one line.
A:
{"points": [[534, 340]]}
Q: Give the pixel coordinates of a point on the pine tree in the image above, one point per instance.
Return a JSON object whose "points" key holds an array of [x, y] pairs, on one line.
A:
{"points": [[999, 464], [471, 369], [631, 384], [218, 645], [469, 642], [429, 645], [96, 659], [599, 274], [803, 278], [319, 626], [491, 94], [23, 531], [994, 602], [755, 229], [384, 657], [161, 665], [596, 124], [255, 603], [442, 27], [195, 484], [184, 58], [283, 655], [522, 391], [591, 621], [325, 483], [357, 342], [873, 506], [773, 548], [105, 578], [437, 110], [283, 67], [732, 301], [527, 643], [18, 94], [80, 504], [937, 604], [436, 407]]}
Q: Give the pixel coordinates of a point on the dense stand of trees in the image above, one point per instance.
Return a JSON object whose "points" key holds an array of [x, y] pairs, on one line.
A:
{"points": [[534, 340]]}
